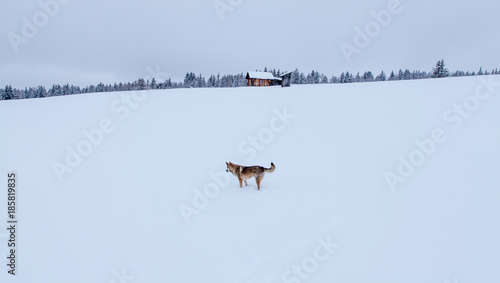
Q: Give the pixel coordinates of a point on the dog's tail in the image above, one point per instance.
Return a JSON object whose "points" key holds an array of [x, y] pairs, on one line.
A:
{"points": [[270, 170]]}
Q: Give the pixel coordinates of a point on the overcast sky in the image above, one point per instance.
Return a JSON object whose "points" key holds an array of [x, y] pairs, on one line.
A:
{"points": [[87, 42]]}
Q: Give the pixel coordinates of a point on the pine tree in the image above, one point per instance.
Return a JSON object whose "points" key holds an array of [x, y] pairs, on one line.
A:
{"points": [[480, 73], [7, 93], [368, 77], [416, 75], [357, 78], [41, 91], [381, 77], [349, 77], [99, 87], [392, 77], [324, 79], [190, 80], [313, 77], [211, 81], [400, 74], [295, 77], [407, 75], [140, 84], [25, 93], [200, 81], [302, 78], [439, 71]]}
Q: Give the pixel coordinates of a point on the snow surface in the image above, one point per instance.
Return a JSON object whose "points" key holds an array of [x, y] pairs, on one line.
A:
{"points": [[327, 214]]}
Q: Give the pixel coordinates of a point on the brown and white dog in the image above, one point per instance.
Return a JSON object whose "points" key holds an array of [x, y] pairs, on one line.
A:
{"points": [[243, 173]]}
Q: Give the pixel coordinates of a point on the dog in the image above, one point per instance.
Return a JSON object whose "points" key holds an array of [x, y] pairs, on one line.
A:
{"points": [[243, 173]]}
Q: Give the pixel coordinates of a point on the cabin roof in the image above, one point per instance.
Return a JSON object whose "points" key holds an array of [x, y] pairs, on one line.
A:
{"points": [[262, 76]]}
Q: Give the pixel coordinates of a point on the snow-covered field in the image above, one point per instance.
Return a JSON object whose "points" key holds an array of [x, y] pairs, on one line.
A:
{"points": [[374, 182]]}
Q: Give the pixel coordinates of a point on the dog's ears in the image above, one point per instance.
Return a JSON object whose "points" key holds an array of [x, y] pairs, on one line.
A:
{"points": [[227, 163]]}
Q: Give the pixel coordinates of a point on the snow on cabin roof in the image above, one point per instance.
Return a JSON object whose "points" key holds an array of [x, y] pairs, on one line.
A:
{"points": [[262, 76]]}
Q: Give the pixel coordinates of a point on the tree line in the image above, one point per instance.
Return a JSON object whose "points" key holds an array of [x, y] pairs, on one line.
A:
{"points": [[192, 80]]}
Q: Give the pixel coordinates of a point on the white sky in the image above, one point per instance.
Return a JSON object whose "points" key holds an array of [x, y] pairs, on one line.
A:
{"points": [[87, 42]]}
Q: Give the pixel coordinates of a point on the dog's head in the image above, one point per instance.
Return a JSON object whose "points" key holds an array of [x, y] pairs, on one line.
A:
{"points": [[230, 167]]}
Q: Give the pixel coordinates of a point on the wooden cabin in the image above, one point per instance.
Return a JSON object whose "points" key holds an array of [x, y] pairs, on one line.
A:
{"points": [[262, 79], [286, 79]]}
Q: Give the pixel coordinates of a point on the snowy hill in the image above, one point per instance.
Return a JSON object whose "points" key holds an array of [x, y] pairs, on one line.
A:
{"points": [[374, 182]]}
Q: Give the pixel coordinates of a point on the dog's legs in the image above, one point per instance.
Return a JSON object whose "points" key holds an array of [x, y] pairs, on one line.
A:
{"points": [[258, 182], [241, 183], [246, 184]]}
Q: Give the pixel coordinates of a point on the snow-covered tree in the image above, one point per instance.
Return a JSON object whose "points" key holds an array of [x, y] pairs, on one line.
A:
{"points": [[381, 77], [7, 93], [200, 81], [368, 77], [439, 71], [40, 91], [302, 78], [342, 78], [295, 78], [400, 74], [407, 75], [313, 78], [211, 81], [357, 78], [349, 77], [392, 76], [99, 87], [323, 79], [190, 80], [140, 84]]}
